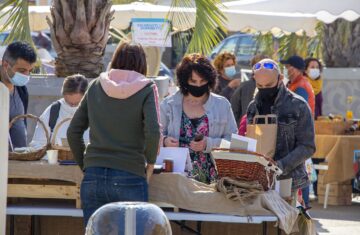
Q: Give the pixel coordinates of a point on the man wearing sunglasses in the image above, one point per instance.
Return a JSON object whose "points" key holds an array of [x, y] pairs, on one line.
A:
{"points": [[295, 134]]}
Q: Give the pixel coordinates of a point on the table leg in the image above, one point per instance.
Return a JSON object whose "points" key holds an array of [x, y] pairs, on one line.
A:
{"points": [[264, 229], [198, 227], [12, 224], [183, 226], [32, 222]]}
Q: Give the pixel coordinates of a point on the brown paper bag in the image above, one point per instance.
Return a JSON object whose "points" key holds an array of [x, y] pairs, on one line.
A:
{"points": [[265, 134]]}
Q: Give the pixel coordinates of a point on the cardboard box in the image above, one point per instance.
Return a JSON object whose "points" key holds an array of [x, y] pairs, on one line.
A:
{"points": [[320, 180], [337, 190], [336, 201], [331, 127]]}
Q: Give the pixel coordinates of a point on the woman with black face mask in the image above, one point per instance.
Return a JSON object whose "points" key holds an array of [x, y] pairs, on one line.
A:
{"points": [[196, 118]]}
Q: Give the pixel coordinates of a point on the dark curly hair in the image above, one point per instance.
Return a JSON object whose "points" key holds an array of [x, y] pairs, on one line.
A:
{"points": [[308, 60], [19, 50], [199, 64]]}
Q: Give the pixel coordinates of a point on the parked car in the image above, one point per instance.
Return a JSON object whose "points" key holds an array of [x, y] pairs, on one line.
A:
{"points": [[243, 46]]}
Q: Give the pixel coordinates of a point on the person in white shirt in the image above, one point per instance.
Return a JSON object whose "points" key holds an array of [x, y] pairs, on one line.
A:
{"points": [[73, 90]]}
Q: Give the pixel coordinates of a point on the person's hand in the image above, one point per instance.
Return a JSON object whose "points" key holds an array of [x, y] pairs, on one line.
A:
{"points": [[149, 172], [198, 146], [171, 142], [234, 83]]}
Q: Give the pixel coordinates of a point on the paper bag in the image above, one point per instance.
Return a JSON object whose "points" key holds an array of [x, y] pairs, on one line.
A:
{"points": [[265, 134]]}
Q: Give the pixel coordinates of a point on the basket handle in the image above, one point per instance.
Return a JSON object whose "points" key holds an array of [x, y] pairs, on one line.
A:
{"points": [[56, 129], [32, 117], [266, 117]]}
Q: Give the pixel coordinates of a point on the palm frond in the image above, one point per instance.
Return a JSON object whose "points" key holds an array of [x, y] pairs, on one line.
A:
{"points": [[265, 44], [119, 35], [17, 13], [316, 43], [209, 22], [302, 45], [287, 46], [344, 30]]}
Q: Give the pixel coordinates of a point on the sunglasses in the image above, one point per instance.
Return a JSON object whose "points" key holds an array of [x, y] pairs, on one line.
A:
{"points": [[266, 65]]}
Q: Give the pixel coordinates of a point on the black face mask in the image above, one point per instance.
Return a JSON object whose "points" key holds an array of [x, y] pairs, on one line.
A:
{"points": [[198, 91], [268, 94]]}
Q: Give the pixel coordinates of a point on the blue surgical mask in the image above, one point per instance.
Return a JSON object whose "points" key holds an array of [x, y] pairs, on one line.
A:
{"points": [[230, 71], [20, 79]]}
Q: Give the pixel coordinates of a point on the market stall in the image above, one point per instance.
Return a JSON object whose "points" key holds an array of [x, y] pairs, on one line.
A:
{"points": [[338, 151], [170, 188]]}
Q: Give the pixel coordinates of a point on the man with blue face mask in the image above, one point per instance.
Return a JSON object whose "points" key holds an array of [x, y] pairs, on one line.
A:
{"points": [[17, 63]]}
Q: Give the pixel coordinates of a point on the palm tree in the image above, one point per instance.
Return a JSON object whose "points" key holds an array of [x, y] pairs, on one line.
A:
{"points": [[80, 28], [341, 43], [79, 32]]}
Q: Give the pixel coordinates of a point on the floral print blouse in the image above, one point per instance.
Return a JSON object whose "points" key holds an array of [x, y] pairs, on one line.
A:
{"points": [[203, 166]]}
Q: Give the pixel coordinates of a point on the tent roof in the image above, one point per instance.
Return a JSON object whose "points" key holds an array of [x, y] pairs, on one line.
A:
{"points": [[237, 19], [324, 10]]}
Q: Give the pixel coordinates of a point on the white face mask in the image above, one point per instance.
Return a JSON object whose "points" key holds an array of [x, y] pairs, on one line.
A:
{"points": [[69, 109], [314, 73]]}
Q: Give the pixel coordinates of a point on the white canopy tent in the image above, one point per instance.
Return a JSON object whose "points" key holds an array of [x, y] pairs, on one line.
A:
{"points": [[270, 21], [237, 19], [324, 10]]}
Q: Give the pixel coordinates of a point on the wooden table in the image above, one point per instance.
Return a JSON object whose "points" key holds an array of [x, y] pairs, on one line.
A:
{"points": [[338, 151], [190, 195], [63, 210], [38, 179]]}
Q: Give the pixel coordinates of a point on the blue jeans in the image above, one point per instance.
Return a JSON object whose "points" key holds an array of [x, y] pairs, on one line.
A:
{"points": [[104, 185], [305, 195]]}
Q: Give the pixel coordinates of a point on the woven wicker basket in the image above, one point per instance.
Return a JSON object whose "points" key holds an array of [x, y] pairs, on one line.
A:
{"points": [[32, 156], [64, 153], [245, 165]]}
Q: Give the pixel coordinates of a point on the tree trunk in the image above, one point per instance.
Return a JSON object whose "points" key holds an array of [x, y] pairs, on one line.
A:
{"points": [[342, 44], [79, 32]]}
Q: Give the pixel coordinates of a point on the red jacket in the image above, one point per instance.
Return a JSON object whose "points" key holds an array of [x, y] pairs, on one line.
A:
{"points": [[302, 87]]}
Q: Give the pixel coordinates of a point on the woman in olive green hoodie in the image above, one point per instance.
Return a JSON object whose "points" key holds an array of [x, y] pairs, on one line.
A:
{"points": [[121, 110]]}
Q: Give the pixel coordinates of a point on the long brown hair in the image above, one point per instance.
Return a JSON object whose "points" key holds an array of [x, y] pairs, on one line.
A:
{"points": [[129, 56]]}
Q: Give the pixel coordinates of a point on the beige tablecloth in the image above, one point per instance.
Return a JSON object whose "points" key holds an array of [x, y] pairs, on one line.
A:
{"points": [[192, 195], [338, 150], [175, 189]]}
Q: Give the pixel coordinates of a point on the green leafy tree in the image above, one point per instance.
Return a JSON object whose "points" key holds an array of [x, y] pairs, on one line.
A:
{"points": [[336, 44], [17, 15]]}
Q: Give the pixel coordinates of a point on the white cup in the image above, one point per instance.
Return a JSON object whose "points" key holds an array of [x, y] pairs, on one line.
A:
{"points": [[52, 156], [285, 188]]}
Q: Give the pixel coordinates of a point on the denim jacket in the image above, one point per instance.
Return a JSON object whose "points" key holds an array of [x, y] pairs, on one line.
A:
{"points": [[218, 110], [295, 137]]}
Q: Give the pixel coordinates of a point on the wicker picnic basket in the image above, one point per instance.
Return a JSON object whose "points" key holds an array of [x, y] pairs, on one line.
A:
{"points": [[64, 152], [246, 166], [30, 156]]}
